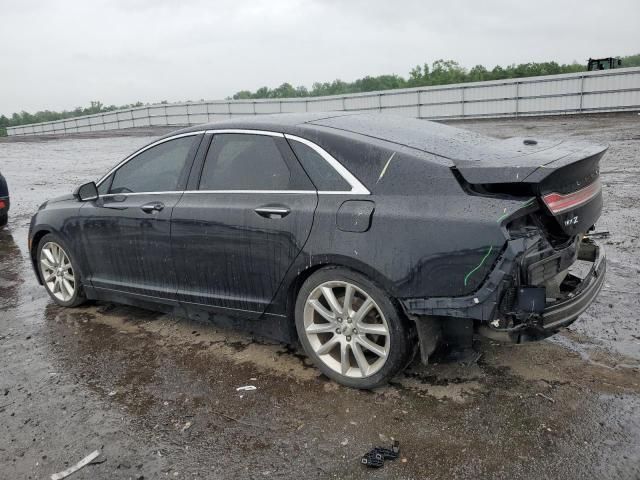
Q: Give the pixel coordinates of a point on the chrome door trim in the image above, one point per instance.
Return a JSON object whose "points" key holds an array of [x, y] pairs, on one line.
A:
{"points": [[127, 194], [143, 149], [180, 192]]}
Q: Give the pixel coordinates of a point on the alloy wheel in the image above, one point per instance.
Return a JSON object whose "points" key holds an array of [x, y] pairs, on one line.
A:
{"points": [[346, 329], [57, 272]]}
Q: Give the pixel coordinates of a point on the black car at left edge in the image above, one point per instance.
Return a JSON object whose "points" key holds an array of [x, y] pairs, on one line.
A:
{"points": [[4, 201], [366, 237]]}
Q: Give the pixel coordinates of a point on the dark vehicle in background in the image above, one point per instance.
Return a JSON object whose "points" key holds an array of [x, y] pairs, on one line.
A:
{"points": [[365, 236], [608, 63], [4, 201]]}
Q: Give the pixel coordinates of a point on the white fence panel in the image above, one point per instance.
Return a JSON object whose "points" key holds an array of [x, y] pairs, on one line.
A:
{"points": [[441, 96], [554, 87], [361, 102], [241, 108], [296, 106], [407, 111], [499, 92], [268, 107], [491, 107], [399, 99], [611, 100], [442, 110], [613, 82], [326, 105], [549, 104]]}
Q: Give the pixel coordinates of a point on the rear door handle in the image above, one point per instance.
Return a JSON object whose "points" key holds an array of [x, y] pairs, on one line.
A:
{"points": [[152, 207], [273, 212]]}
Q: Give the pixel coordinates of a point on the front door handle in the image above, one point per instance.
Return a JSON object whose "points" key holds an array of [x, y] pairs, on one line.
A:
{"points": [[273, 212], [152, 207]]}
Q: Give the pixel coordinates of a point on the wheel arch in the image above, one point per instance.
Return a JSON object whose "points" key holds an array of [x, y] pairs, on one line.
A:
{"points": [[33, 249], [359, 267]]}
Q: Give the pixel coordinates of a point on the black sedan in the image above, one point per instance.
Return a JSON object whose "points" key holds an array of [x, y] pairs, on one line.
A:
{"points": [[367, 237], [4, 201]]}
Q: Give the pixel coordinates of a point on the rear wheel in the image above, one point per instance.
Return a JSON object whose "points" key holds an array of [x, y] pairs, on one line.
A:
{"points": [[4, 218], [58, 272], [351, 329]]}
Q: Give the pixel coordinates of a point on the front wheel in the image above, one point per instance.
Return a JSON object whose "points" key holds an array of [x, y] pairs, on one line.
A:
{"points": [[351, 328], [58, 272]]}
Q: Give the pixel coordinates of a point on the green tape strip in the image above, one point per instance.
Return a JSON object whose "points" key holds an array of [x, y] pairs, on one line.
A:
{"points": [[466, 278]]}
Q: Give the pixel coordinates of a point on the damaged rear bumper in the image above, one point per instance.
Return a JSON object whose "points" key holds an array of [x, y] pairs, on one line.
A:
{"points": [[483, 306], [564, 312]]}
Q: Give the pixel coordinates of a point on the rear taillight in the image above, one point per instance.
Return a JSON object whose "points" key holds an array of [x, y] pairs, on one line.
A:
{"points": [[558, 202], [2, 204]]}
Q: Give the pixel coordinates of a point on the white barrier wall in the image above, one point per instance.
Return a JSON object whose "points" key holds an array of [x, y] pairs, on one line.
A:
{"points": [[601, 91]]}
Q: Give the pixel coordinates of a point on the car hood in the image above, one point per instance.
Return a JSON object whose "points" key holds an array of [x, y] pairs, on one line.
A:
{"points": [[61, 198]]}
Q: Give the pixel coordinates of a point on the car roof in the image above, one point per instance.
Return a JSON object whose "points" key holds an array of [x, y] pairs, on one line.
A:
{"points": [[426, 136], [279, 122]]}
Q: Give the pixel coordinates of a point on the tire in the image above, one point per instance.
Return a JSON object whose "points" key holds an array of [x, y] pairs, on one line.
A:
{"points": [[4, 219], [53, 256], [378, 334]]}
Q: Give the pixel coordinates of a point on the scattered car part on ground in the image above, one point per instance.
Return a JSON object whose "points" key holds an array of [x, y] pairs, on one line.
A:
{"points": [[375, 457], [368, 235]]}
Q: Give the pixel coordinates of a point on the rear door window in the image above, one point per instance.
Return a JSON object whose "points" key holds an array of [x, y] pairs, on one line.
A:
{"points": [[238, 161], [157, 169], [323, 175]]}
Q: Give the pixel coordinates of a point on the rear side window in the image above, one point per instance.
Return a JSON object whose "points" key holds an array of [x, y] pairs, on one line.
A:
{"points": [[323, 175], [238, 161], [157, 169]]}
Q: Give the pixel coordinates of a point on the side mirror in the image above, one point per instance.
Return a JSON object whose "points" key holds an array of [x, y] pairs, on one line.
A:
{"points": [[86, 192]]}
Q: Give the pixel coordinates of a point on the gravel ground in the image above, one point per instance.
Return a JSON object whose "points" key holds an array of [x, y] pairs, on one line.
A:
{"points": [[157, 394]]}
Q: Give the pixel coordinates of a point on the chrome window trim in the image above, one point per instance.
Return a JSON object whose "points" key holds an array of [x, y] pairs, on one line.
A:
{"points": [[144, 149], [127, 194], [245, 131], [252, 191], [357, 188], [180, 192]]}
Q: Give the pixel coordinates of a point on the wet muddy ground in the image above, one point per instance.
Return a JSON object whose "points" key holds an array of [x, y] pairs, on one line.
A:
{"points": [[157, 394]]}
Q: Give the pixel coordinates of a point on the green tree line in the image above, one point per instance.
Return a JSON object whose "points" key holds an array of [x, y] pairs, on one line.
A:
{"points": [[440, 72]]}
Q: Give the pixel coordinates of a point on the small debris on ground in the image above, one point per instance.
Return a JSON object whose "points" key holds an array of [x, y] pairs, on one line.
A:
{"points": [[545, 397], [74, 468], [246, 388]]}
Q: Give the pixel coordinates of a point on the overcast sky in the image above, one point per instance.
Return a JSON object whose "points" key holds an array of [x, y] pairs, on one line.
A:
{"points": [[62, 54]]}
